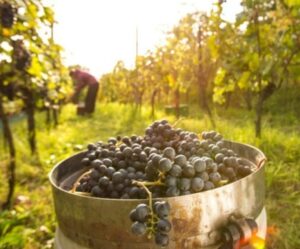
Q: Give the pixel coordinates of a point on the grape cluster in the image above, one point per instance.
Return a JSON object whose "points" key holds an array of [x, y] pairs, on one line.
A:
{"points": [[6, 15], [21, 56], [178, 161], [152, 221]]}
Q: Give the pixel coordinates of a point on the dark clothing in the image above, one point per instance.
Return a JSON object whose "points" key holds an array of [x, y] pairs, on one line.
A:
{"points": [[82, 80]]}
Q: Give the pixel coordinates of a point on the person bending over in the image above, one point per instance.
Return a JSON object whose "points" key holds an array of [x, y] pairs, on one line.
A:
{"points": [[81, 80]]}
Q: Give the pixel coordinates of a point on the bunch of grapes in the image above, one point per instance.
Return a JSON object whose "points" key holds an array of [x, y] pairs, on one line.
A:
{"points": [[164, 162], [6, 15], [21, 56], [153, 221]]}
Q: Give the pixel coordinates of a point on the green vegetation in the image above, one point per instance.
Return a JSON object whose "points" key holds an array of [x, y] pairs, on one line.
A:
{"points": [[208, 67], [33, 212]]}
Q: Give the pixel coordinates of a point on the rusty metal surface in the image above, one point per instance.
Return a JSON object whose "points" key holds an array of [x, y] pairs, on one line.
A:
{"points": [[196, 218]]}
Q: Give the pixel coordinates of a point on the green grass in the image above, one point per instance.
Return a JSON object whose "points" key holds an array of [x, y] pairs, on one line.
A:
{"points": [[31, 223]]}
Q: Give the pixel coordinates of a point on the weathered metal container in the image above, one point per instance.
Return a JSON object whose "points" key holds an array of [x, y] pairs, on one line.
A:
{"points": [[99, 223]]}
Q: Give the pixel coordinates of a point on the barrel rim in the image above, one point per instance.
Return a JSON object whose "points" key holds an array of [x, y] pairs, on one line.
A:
{"points": [[261, 167]]}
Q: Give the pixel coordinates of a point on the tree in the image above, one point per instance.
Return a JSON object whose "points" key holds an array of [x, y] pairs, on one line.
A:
{"points": [[268, 34], [31, 69]]}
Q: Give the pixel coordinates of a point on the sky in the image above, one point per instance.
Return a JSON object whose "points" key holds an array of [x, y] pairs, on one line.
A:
{"points": [[97, 33]]}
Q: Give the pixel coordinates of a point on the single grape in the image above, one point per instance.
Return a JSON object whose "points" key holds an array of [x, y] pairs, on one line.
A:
{"points": [[185, 184], [208, 185], [171, 181], [244, 170], [97, 191], [175, 171], [127, 152], [188, 171], [142, 212], [110, 171], [117, 177], [102, 169], [122, 164], [199, 165], [170, 153], [180, 160], [161, 239], [197, 184], [134, 192], [95, 174], [162, 209], [164, 165], [215, 177], [107, 162], [138, 228], [164, 226], [91, 147], [219, 157], [155, 159], [104, 181]]}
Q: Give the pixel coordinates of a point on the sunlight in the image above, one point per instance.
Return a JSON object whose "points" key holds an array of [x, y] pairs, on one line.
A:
{"points": [[96, 34]]}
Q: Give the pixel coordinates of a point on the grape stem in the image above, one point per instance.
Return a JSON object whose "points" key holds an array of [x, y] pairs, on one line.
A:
{"points": [[144, 186], [73, 190], [156, 183]]}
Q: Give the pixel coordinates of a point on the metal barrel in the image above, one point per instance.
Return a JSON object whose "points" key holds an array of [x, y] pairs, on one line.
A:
{"points": [[196, 218]]}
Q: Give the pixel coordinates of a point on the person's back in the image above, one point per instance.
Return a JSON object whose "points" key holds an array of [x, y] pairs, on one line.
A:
{"points": [[83, 79]]}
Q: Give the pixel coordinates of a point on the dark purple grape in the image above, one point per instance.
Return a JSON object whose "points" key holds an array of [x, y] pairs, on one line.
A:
{"points": [[91, 156], [164, 226], [127, 152], [171, 181], [169, 153], [197, 184], [188, 171], [181, 160], [112, 140], [122, 164], [107, 162], [161, 239], [208, 185], [102, 169], [134, 192], [244, 170], [96, 163], [162, 209], [97, 191], [138, 228], [117, 177], [131, 176], [119, 187], [103, 181], [155, 160], [164, 165], [175, 171], [204, 176], [95, 174], [172, 191], [199, 165], [215, 177], [142, 212], [185, 184], [110, 171]]}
